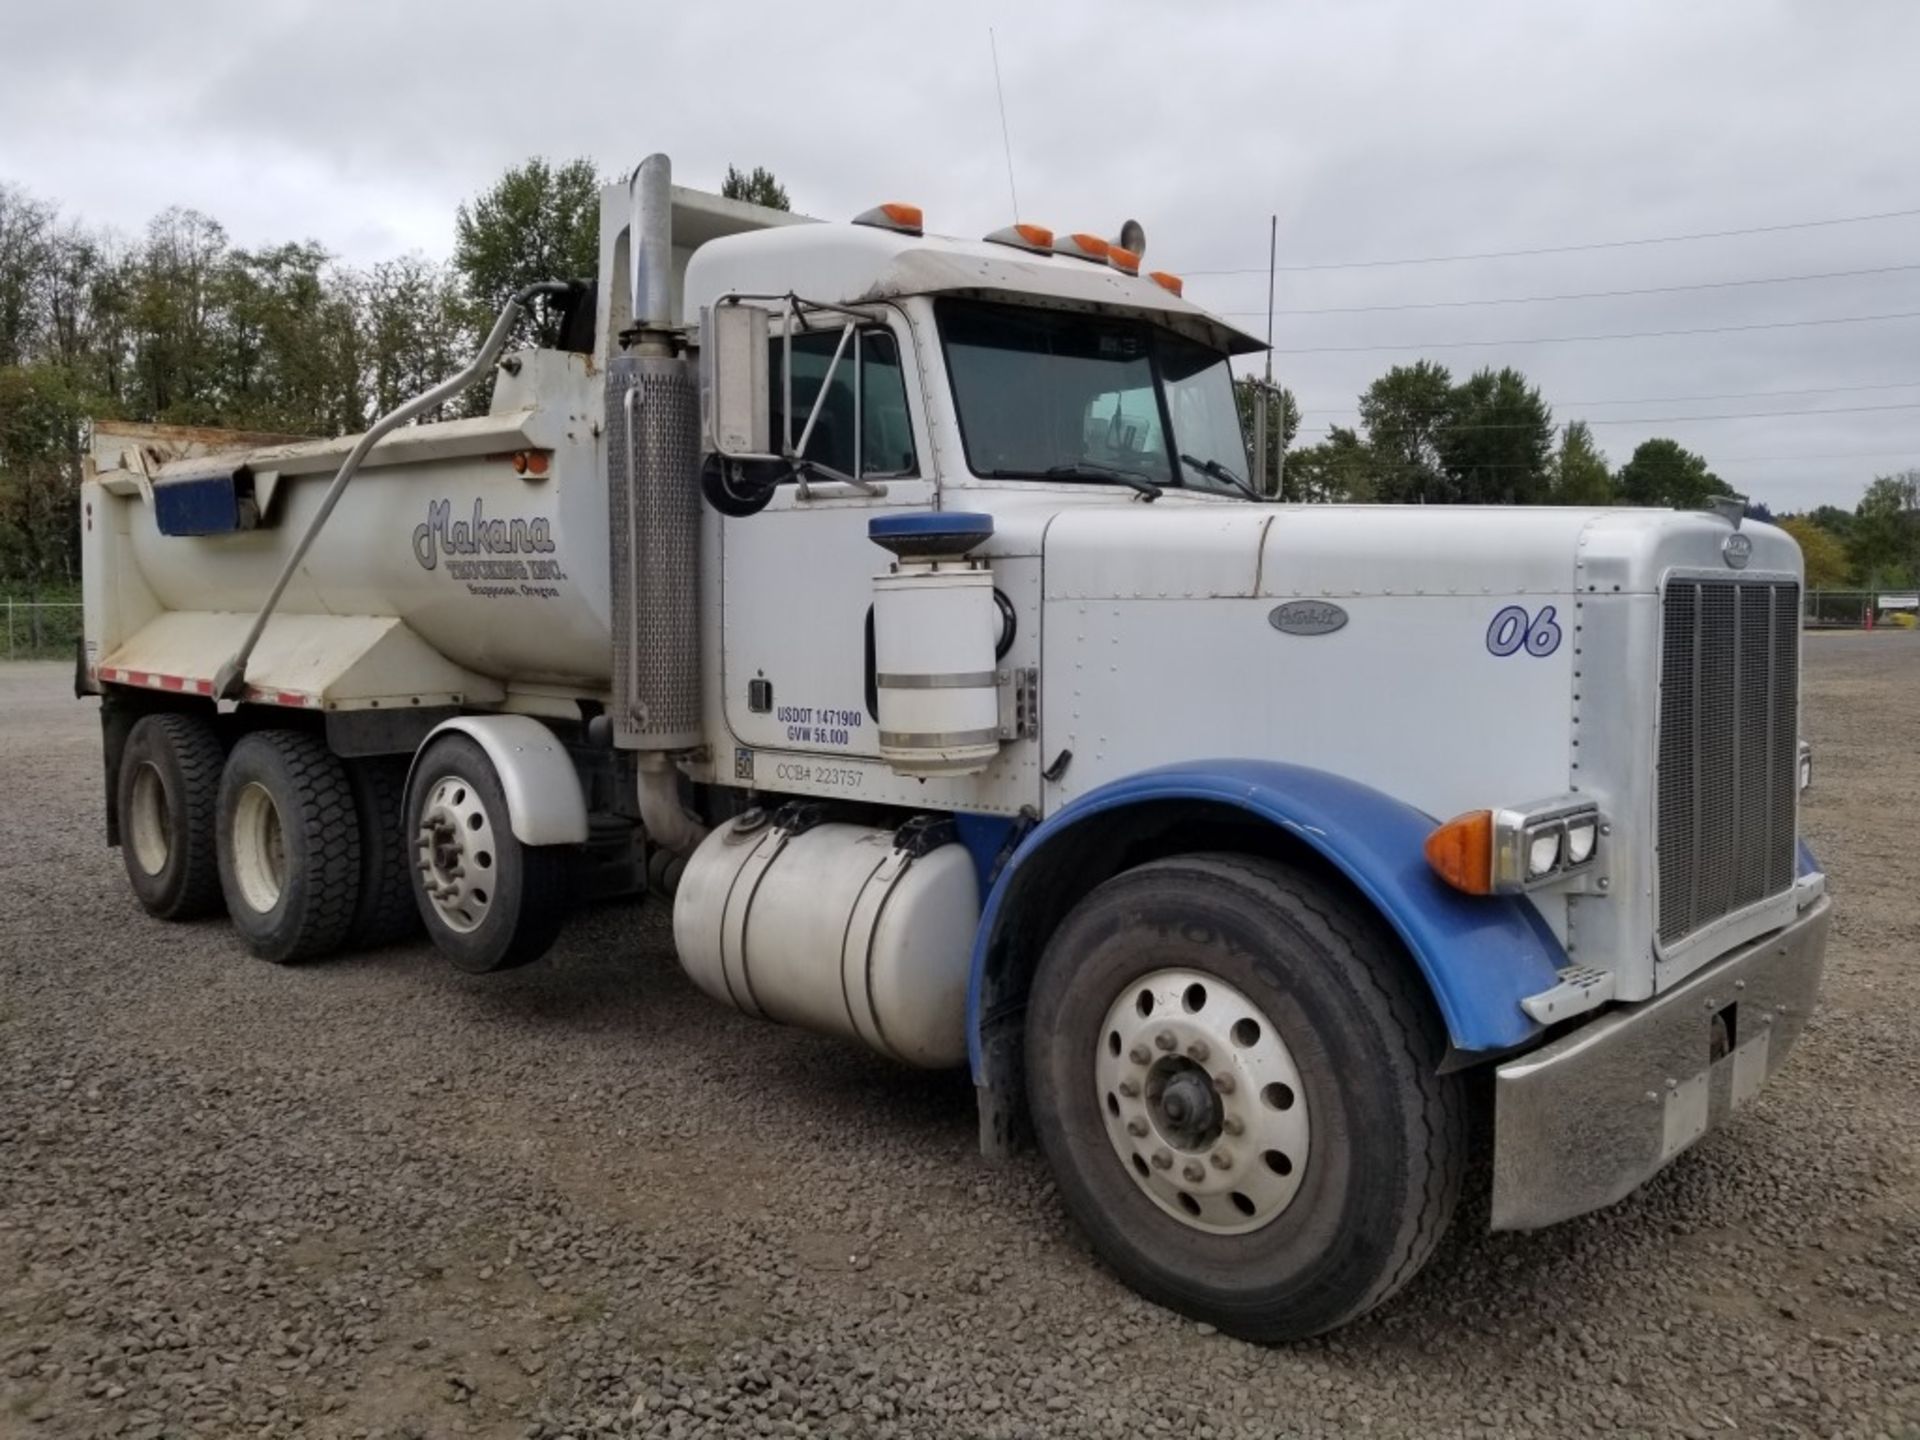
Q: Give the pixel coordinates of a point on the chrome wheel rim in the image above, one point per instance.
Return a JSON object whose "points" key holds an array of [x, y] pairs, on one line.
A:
{"points": [[148, 828], [259, 849], [454, 849], [1202, 1101]]}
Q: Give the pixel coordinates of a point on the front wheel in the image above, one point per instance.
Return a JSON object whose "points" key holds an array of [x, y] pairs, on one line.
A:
{"points": [[1234, 1077], [489, 902]]}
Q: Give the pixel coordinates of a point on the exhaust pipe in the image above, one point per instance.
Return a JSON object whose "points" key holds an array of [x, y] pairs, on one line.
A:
{"points": [[650, 242]]}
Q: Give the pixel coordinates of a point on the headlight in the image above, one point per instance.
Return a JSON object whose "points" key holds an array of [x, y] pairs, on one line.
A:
{"points": [[1504, 851], [1543, 851], [1581, 837]]}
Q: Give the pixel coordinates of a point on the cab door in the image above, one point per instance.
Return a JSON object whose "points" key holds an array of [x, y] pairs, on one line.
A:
{"points": [[796, 578]]}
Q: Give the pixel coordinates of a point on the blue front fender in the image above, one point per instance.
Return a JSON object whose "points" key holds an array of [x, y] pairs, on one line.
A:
{"points": [[1480, 954]]}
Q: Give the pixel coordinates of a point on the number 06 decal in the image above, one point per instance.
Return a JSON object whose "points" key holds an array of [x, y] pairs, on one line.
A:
{"points": [[1513, 630]]}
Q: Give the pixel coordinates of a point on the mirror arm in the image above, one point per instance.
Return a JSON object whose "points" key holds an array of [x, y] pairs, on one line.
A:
{"points": [[819, 400]]}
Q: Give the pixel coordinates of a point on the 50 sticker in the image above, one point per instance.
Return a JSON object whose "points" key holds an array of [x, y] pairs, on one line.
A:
{"points": [[1513, 630]]}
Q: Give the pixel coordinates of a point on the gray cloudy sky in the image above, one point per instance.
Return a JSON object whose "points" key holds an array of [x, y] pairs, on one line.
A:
{"points": [[1377, 131]]}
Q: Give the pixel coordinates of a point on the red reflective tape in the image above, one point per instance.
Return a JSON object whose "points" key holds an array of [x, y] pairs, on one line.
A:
{"points": [[173, 682]]}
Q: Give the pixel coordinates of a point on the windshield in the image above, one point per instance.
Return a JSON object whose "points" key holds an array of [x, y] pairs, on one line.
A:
{"points": [[1057, 394]]}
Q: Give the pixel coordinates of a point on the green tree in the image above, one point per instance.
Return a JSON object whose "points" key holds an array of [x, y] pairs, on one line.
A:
{"points": [[1405, 413], [1826, 558], [1662, 472], [1885, 545], [1283, 423], [536, 222], [1580, 474], [41, 415], [1339, 468], [1496, 442], [412, 324], [759, 188], [26, 232]]}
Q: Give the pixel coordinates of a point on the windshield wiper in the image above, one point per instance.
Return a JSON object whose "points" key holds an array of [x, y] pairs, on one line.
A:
{"points": [[1217, 471], [1094, 470]]}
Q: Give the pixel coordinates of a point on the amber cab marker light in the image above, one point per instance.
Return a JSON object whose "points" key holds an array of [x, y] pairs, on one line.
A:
{"points": [[907, 219], [1173, 284], [1082, 246], [1461, 852], [1124, 260]]}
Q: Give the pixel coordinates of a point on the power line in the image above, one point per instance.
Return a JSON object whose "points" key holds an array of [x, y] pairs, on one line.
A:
{"points": [[1588, 339], [1681, 419], [1677, 399], [1571, 249], [1583, 295], [1912, 454]]}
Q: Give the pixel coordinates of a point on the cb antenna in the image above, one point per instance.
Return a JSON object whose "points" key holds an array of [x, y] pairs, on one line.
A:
{"points": [[1005, 143]]}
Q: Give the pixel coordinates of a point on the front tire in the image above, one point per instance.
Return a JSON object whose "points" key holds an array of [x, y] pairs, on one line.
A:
{"points": [[488, 901], [1233, 1075], [289, 846]]}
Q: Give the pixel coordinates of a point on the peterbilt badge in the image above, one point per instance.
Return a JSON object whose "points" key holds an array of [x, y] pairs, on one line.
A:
{"points": [[1307, 617], [1737, 550]]}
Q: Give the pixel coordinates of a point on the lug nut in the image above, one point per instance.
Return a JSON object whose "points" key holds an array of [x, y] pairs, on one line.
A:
{"points": [[1165, 1040], [1129, 1089], [1224, 1084], [1194, 1173], [1162, 1160], [1221, 1160], [1233, 1124], [1140, 1055], [1136, 1127], [1198, 1052]]}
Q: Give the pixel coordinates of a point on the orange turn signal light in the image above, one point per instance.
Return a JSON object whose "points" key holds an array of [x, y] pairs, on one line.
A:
{"points": [[1461, 852], [1173, 284]]}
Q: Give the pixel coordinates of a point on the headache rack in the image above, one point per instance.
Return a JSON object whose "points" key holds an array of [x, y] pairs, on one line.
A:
{"points": [[1727, 779]]}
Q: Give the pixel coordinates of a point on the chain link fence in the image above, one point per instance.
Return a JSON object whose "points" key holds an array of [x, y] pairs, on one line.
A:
{"points": [[1852, 609], [42, 629]]}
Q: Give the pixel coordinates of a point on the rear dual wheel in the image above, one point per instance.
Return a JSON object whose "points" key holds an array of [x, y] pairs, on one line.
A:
{"points": [[289, 846], [166, 796], [1234, 1077]]}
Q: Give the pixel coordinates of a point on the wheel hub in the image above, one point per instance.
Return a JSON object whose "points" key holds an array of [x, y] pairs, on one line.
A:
{"points": [[149, 828], [454, 847], [1183, 1104], [1202, 1100], [259, 849]]}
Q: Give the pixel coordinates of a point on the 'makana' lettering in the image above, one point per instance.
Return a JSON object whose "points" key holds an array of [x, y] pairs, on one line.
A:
{"points": [[442, 534]]}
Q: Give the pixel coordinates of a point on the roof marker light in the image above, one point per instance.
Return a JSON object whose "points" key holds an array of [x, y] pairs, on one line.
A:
{"points": [[1124, 261], [1082, 247], [1172, 284], [893, 216], [1036, 238]]}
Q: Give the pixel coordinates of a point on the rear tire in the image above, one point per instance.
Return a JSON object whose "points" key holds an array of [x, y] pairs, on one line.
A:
{"points": [[1363, 1156], [386, 913], [488, 901], [289, 841], [166, 796]]}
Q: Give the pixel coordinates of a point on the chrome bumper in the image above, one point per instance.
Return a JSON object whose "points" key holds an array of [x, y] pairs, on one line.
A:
{"points": [[1583, 1121]]}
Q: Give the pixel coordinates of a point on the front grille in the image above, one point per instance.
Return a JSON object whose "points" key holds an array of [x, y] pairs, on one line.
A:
{"points": [[1729, 748]]}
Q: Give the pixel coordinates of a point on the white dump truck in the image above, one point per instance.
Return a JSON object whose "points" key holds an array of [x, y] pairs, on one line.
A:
{"points": [[898, 605]]}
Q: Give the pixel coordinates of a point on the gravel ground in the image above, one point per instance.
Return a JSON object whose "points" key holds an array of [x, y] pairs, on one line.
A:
{"points": [[375, 1197]]}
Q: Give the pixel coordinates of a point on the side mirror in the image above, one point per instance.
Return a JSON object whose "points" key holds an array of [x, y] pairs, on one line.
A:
{"points": [[733, 362]]}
